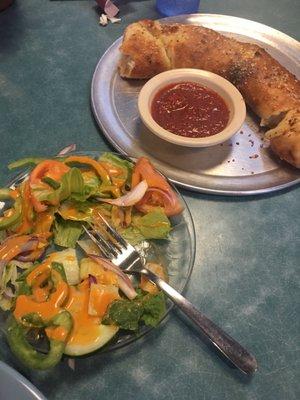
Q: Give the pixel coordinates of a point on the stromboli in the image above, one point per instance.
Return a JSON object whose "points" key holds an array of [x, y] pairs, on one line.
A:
{"points": [[271, 91]]}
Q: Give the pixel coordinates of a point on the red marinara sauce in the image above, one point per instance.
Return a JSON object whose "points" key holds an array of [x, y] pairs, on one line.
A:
{"points": [[189, 109]]}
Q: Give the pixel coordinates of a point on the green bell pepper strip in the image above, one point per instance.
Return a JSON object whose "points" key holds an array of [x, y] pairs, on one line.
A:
{"points": [[51, 182], [15, 217], [33, 320], [27, 354], [25, 162], [16, 330], [58, 267]]}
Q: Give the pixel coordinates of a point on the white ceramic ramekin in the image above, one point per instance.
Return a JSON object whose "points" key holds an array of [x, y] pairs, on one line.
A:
{"points": [[224, 88]]}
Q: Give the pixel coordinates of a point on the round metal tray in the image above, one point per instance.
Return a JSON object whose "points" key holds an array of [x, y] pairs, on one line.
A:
{"points": [[241, 166]]}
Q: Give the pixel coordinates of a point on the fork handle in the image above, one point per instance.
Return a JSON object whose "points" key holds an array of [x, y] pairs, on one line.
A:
{"points": [[231, 349]]}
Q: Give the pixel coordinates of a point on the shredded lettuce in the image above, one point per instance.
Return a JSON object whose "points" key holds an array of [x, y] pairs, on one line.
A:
{"points": [[68, 260], [9, 282], [146, 308], [154, 308], [132, 235], [23, 275], [5, 303], [153, 225], [126, 314], [78, 211], [66, 232], [3, 235], [72, 186], [125, 165], [91, 182]]}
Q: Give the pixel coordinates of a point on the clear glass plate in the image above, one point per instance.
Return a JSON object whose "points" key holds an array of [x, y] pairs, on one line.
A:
{"points": [[177, 254]]}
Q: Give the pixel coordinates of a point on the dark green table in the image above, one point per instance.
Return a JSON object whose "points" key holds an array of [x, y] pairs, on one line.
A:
{"points": [[248, 251]]}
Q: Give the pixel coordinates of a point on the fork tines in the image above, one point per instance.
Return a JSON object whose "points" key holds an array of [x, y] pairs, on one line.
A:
{"points": [[113, 232], [109, 241], [106, 248]]}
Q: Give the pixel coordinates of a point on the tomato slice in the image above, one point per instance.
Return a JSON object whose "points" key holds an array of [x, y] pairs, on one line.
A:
{"points": [[159, 193], [50, 168]]}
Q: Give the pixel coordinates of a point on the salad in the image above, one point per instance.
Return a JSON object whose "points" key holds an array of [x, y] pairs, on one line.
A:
{"points": [[54, 282]]}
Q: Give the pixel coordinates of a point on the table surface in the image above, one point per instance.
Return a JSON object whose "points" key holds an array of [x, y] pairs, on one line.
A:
{"points": [[248, 252]]}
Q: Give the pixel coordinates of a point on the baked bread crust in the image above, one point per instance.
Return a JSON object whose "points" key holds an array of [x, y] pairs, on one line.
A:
{"points": [[270, 90], [285, 138]]}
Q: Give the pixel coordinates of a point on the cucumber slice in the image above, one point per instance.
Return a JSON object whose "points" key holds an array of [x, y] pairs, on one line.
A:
{"points": [[69, 260], [104, 334]]}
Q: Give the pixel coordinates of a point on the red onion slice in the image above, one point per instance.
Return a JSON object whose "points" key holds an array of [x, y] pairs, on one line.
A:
{"points": [[68, 149], [2, 266], [123, 280], [31, 256], [8, 293], [28, 250], [108, 7], [130, 198], [30, 245], [92, 280], [71, 363], [25, 252]]}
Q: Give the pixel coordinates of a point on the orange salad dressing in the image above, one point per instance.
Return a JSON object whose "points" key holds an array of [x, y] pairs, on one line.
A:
{"points": [[88, 174], [11, 247], [85, 327], [34, 303], [57, 333], [106, 277], [8, 213], [112, 169], [114, 172], [43, 221], [46, 310], [14, 193], [91, 162], [146, 284], [41, 294], [39, 274], [75, 300], [27, 210], [100, 298], [71, 212]]}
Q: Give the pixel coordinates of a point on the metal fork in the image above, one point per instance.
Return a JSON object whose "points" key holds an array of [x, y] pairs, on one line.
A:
{"points": [[123, 254]]}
